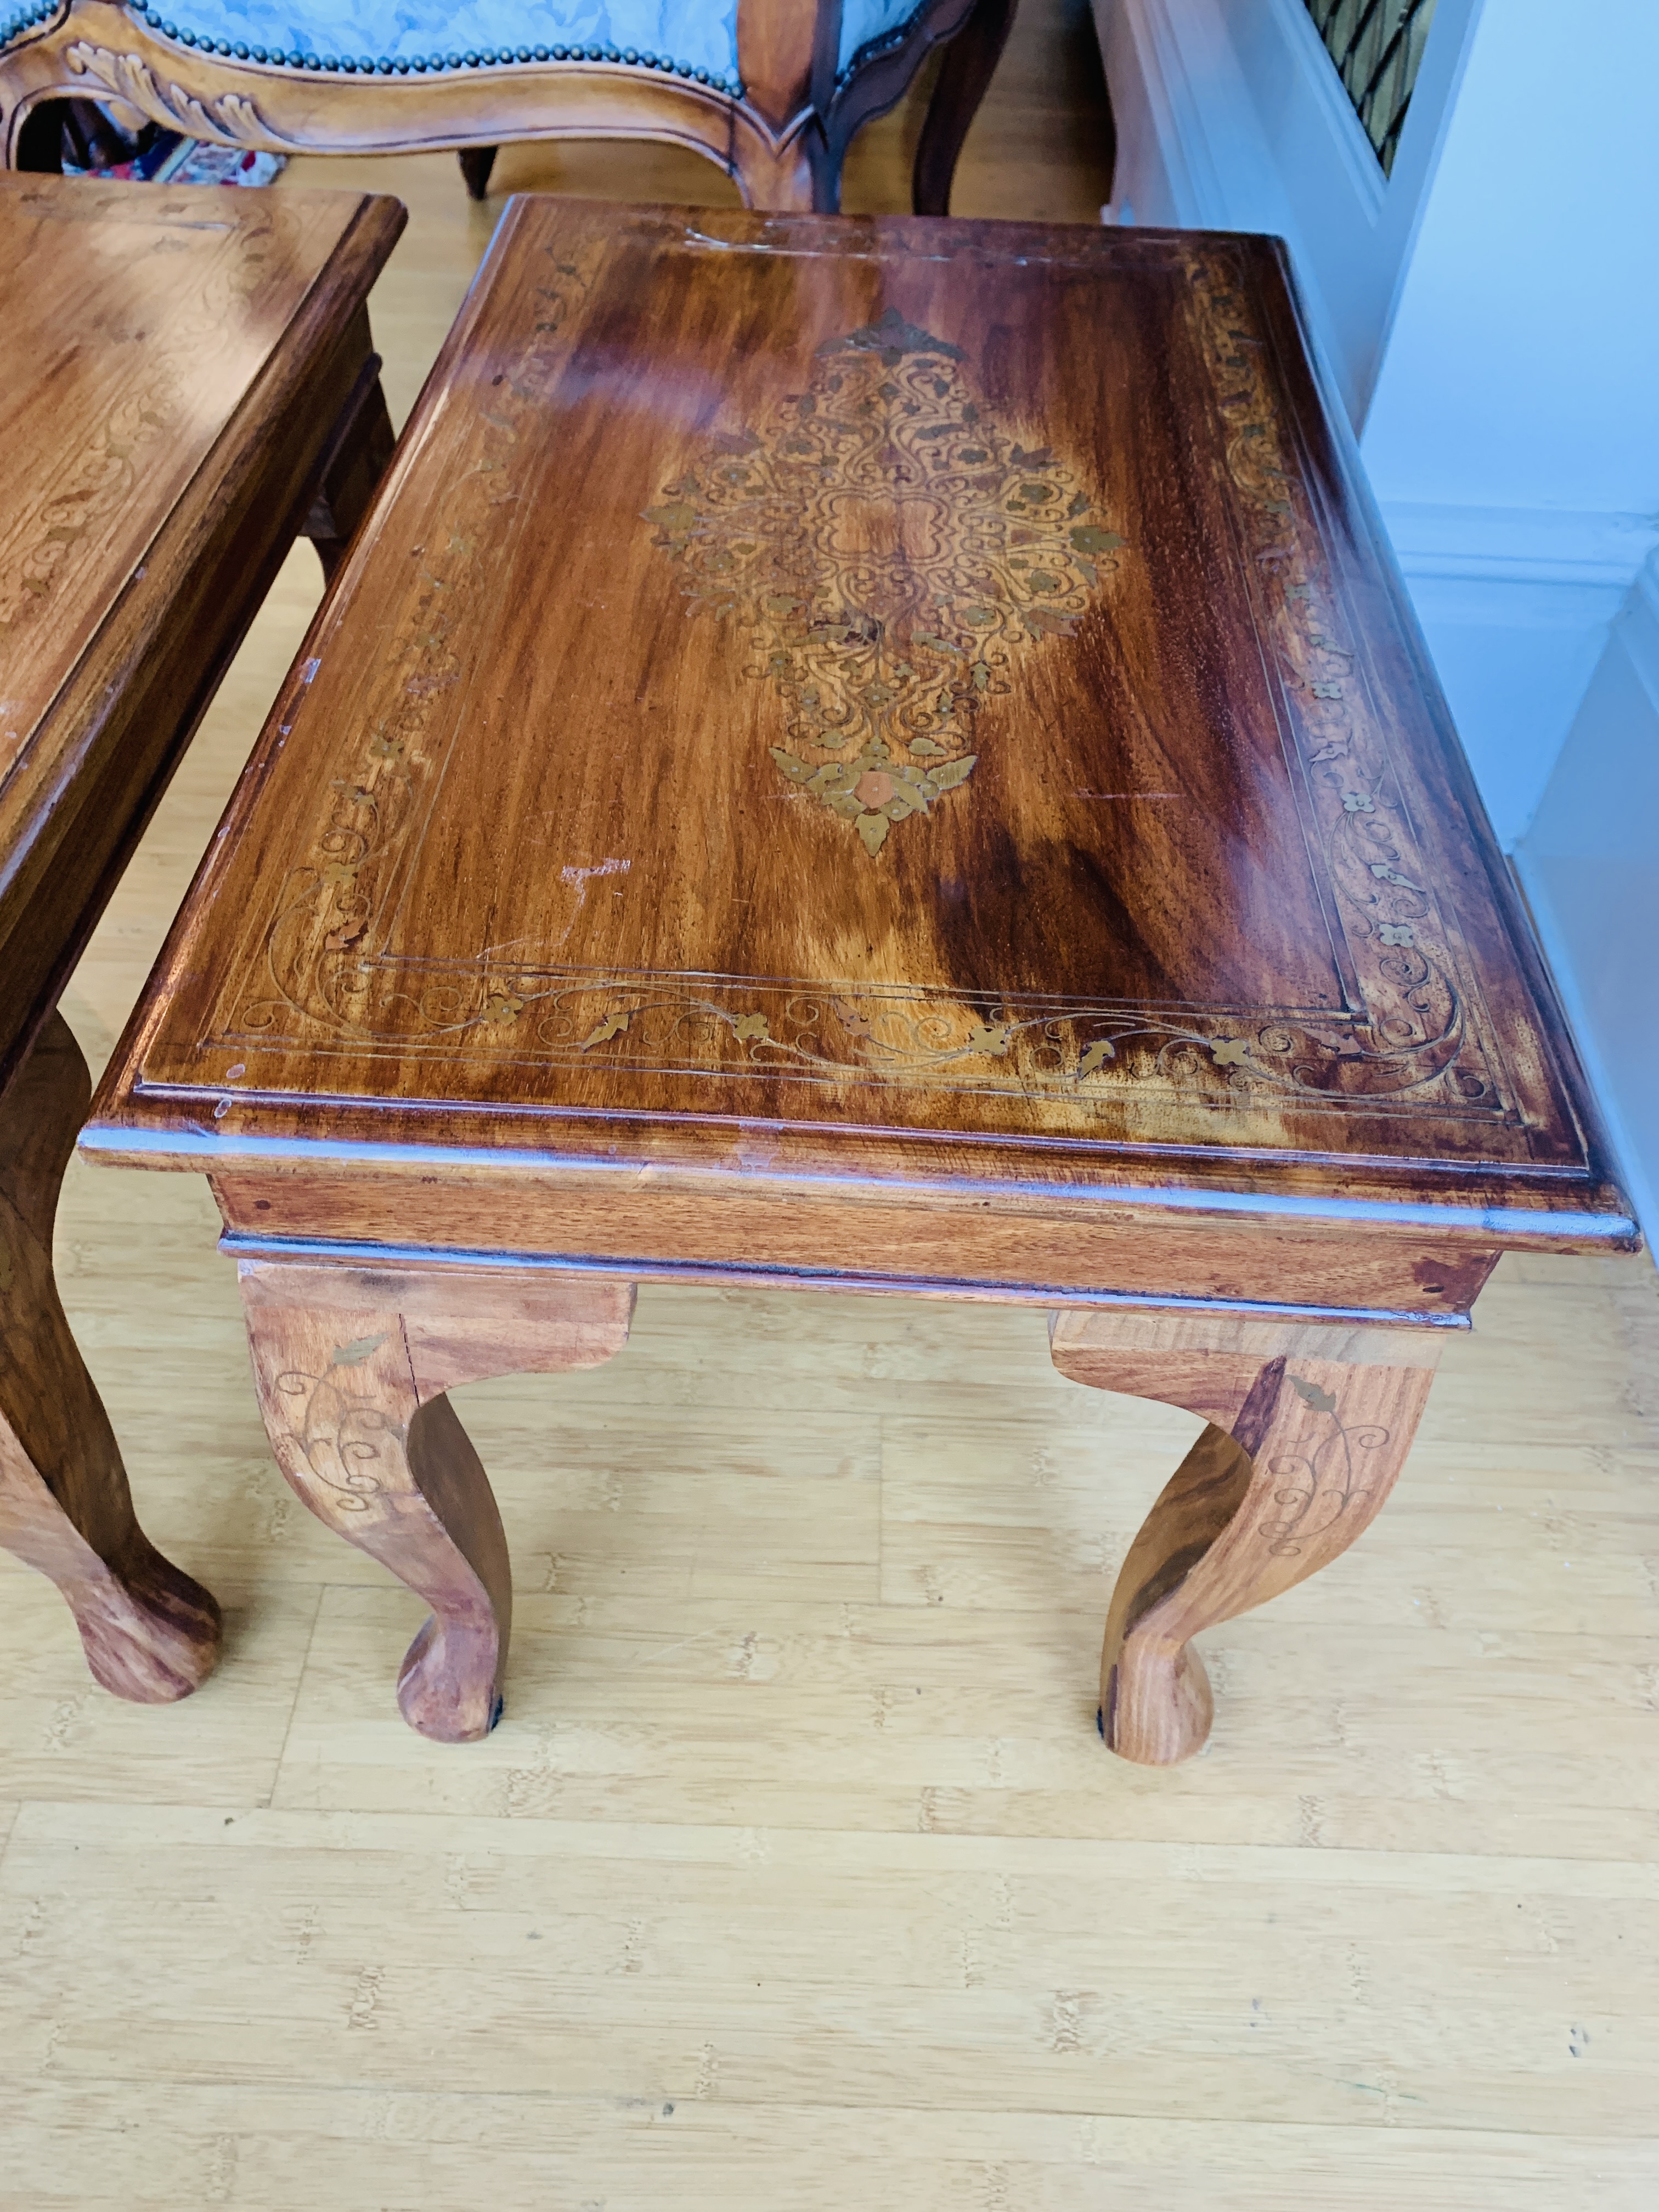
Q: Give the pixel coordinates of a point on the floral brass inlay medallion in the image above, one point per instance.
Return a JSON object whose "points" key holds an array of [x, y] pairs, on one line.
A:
{"points": [[879, 663], [889, 552]]}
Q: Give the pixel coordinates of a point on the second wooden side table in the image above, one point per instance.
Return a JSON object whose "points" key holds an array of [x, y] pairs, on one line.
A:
{"points": [[188, 382]]}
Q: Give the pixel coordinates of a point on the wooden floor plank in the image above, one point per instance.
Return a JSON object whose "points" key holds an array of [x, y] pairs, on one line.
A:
{"points": [[831, 1969], [266, 2150], [796, 1876]]}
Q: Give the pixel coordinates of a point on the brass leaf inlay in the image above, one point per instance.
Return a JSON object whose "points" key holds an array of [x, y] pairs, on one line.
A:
{"points": [[890, 551]]}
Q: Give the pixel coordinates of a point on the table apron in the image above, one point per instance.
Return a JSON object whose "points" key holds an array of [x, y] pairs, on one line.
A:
{"points": [[901, 1244]]}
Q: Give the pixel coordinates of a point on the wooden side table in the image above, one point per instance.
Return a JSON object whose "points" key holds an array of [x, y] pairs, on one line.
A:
{"points": [[885, 756], [188, 383]]}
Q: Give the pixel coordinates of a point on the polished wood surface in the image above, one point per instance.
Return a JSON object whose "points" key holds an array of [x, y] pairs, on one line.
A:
{"points": [[838, 795], [188, 383], [917, 756], [177, 363], [808, 1607], [782, 137], [1307, 1429]]}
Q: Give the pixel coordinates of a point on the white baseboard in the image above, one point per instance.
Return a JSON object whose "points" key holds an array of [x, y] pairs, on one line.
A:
{"points": [[1541, 545], [1517, 604], [1190, 152], [1589, 865]]}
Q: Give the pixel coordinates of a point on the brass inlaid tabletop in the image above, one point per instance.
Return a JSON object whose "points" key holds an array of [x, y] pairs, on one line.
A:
{"points": [[881, 754], [881, 682]]}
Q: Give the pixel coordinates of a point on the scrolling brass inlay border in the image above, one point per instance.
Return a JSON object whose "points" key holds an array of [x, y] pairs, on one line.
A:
{"points": [[1406, 1043], [889, 551], [67, 545], [1409, 1027], [1327, 1475]]}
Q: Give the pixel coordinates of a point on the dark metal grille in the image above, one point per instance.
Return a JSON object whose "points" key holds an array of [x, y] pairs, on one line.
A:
{"points": [[1376, 45]]}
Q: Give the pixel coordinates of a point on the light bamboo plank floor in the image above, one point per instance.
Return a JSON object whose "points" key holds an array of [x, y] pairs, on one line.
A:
{"points": [[796, 1877]]}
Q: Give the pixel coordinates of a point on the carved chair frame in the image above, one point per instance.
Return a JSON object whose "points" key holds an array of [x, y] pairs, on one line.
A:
{"points": [[782, 138]]}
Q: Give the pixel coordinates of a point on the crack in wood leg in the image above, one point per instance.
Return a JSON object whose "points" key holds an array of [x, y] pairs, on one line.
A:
{"points": [[150, 1633], [1307, 1428], [351, 1367]]}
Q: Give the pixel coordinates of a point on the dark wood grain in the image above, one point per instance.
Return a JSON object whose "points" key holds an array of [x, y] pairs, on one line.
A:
{"points": [[1189, 887], [354, 460], [965, 77], [187, 373], [150, 1633], [886, 755]]}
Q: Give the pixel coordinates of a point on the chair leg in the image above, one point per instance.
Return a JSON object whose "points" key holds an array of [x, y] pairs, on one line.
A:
{"points": [[476, 162], [970, 62]]}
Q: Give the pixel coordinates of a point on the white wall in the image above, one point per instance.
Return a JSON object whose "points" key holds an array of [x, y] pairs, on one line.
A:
{"points": [[1489, 313], [1517, 603], [1231, 116], [1589, 865], [1512, 436]]}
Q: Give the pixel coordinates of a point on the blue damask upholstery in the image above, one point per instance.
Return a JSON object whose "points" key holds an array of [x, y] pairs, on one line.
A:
{"points": [[687, 38], [864, 20]]}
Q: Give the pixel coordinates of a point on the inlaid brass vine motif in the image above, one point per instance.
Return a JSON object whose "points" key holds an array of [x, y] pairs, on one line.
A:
{"points": [[105, 461], [870, 651], [889, 552], [1408, 1027], [1316, 1486], [341, 1439]]}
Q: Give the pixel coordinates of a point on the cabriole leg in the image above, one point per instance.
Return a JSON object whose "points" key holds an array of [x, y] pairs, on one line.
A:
{"points": [[149, 1632], [351, 1366], [1309, 1429]]}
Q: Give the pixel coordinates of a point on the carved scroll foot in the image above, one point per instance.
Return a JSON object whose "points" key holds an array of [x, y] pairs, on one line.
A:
{"points": [[351, 1367], [149, 1632], [1309, 1428]]}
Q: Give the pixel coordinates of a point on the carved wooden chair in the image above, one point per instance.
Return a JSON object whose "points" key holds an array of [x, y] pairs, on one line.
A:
{"points": [[772, 90]]}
